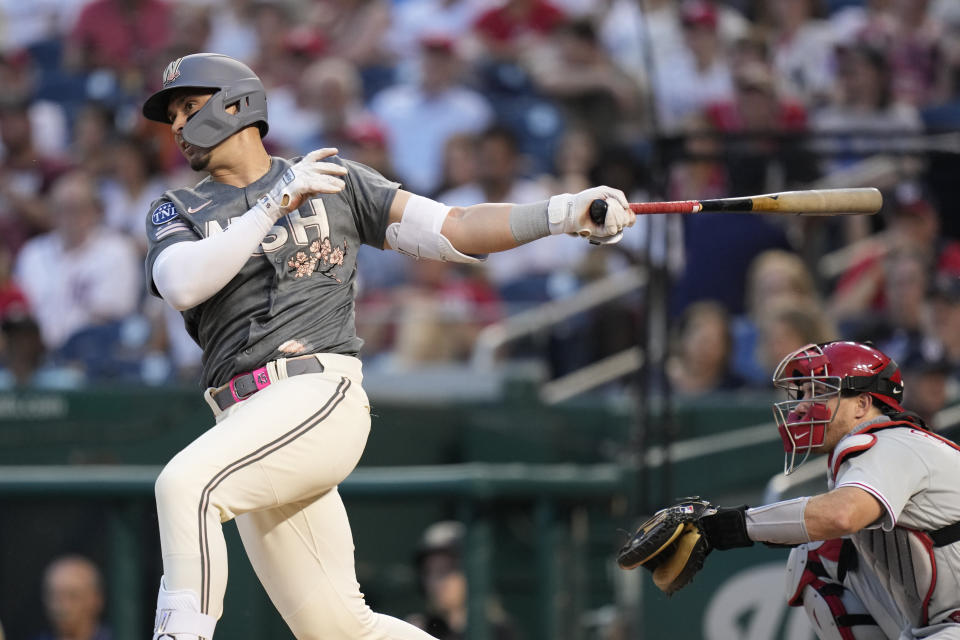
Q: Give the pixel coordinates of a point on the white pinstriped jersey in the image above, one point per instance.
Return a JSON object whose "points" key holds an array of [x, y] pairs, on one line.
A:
{"points": [[915, 475]]}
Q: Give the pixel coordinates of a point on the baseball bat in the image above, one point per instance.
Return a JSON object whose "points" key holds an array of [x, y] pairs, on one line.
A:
{"points": [[814, 202]]}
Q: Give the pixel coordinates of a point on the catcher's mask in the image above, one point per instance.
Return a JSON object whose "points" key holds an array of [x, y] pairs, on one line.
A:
{"points": [[232, 82], [812, 376]]}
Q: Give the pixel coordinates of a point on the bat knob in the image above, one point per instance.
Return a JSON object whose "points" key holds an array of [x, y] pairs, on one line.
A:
{"points": [[598, 211]]}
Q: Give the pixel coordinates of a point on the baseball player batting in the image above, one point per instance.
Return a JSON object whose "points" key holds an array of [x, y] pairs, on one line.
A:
{"points": [[260, 257], [878, 554]]}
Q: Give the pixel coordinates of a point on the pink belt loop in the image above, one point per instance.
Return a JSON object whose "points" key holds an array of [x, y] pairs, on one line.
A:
{"points": [[233, 390]]}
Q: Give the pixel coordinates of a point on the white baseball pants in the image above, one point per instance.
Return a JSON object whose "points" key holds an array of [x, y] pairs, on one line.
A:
{"points": [[273, 462]]}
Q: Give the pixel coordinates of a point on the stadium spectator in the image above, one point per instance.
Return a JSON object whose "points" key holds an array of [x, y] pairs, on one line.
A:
{"points": [[73, 598], [802, 45], [82, 273], [28, 24], [439, 313], [232, 30], [699, 172], [25, 362], [25, 174], [192, 28], [863, 107], [914, 226], [420, 118], [460, 162], [926, 389], [593, 93], [867, 21], [121, 36], [945, 303], [326, 101], [899, 330], [785, 327], [700, 358], [366, 141], [357, 30], [414, 19], [699, 75], [443, 583], [23, 79], [272, 23], [764, 152], [576, 159], [777, 283], [638, 35], [517, 28], [93, 131], [920, 76], [130, 184], [12, 300]]}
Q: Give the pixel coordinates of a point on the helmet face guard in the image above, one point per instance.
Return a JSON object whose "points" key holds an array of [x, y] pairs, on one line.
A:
{"points": [[813, 376], [229, 81], [803, 417]]}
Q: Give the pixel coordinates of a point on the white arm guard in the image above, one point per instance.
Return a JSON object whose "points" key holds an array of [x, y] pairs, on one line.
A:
{"points": [[187, 273], [418, 232], [779, 523]]}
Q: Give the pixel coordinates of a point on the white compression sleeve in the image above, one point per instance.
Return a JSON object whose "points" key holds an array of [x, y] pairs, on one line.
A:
{"points": [[779, 523], [187, 273]]}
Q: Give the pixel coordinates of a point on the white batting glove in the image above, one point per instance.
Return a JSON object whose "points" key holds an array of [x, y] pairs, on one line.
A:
{"points": [[304, 179], [570, 213]]}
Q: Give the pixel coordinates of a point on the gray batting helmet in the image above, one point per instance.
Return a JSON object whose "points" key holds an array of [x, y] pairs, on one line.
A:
{"points": [[233, 82]]}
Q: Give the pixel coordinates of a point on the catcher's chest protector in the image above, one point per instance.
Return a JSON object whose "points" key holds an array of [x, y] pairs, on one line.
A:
{"points": [[923, 579]]}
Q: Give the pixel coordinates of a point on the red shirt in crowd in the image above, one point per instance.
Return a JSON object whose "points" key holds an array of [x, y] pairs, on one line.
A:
{"points": [[513, 20], [118, 34]]}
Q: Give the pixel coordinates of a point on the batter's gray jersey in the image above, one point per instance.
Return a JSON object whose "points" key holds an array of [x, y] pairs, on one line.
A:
{"points": [[915, 475], [296, 294]]}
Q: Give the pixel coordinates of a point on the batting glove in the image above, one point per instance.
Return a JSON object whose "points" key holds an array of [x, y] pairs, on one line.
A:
{"points": [[304, 179], [570, 213]]}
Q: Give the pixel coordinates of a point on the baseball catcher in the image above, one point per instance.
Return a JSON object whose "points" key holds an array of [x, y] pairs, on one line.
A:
{"points": [[875, 556]]}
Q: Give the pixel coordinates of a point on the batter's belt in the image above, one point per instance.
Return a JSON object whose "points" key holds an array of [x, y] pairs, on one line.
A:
{"points": [[244, 385]]}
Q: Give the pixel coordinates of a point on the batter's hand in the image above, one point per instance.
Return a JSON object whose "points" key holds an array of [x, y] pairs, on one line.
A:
{"points": [[570, 213], [303, 180]]}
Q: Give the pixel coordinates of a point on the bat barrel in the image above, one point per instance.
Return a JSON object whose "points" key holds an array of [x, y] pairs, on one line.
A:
{"points": [[811, 202]]}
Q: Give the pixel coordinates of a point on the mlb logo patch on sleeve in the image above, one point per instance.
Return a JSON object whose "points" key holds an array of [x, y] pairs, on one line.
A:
{"points": [[164, 213]]}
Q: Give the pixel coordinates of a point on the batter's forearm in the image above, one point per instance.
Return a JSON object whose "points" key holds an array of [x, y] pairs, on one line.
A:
{"points": [[188, 273], [481, 228]]}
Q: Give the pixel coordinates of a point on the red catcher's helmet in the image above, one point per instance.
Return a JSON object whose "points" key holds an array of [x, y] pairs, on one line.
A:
{"points": [[814, 374]]}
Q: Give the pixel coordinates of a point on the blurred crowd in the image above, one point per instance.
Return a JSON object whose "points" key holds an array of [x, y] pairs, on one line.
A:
{"points": [[505, 100]]}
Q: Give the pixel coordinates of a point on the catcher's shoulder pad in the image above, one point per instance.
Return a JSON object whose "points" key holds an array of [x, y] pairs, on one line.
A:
{"points": [[656, 538]]}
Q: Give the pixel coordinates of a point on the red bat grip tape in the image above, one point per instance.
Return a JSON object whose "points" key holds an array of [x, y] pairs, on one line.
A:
{"points": [[683, 206]]}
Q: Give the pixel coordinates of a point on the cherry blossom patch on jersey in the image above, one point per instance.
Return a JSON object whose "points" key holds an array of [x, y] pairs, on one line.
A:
{"points": [[323, 257], [164, 213]]}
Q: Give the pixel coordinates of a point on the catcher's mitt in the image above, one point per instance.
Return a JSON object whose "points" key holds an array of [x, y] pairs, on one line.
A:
{"points": [[670, 544]]}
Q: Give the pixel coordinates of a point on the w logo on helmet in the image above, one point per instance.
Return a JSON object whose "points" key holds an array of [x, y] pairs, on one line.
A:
{"points": [[172, 72]]}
